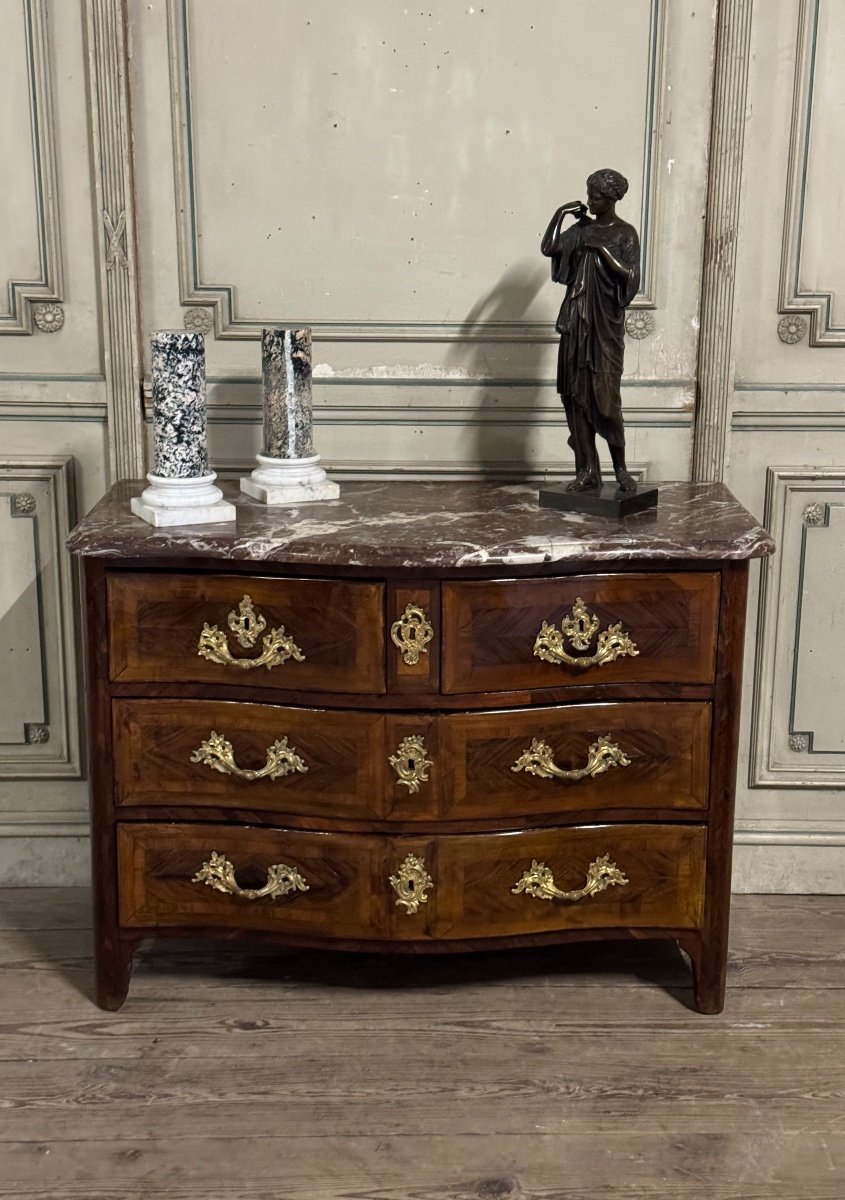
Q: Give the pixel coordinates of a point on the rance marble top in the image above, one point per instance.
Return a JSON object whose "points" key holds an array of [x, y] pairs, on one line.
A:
{"points": [[433, 525]]}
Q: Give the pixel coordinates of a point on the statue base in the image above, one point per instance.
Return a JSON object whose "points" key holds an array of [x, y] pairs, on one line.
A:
{"points": [[284, 481], [190, 501], [606, 501]]}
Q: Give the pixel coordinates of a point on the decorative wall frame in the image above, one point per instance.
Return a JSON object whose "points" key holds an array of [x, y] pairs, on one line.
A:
{"points": [[816, 303], [794, 647], [220, 299], [38, 496], [48, 289]]}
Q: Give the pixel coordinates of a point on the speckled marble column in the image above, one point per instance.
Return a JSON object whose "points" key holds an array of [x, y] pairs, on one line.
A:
{"points": [[181, 490], [288, 470]]}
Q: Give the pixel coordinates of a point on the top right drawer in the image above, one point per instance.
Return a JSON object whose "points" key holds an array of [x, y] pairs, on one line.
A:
{"points": [[580, 629]]}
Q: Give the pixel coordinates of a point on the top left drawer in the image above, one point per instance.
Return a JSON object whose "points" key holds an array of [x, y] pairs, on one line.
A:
{"points": [[284, 634]]}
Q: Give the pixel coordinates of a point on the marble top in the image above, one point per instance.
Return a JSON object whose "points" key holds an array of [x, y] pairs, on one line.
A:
{"points": [[433, 525]]}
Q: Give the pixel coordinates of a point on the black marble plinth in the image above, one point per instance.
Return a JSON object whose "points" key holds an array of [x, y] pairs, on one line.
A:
{"points": [[606, 501]]}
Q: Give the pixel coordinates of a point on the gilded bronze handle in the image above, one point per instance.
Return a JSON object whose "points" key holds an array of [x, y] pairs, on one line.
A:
{"points": [[410, 763], [216, 752], [603, 754], [580, 628], [411, 634], [219, 874], [539, 881], [411, 884], [247, 625]]}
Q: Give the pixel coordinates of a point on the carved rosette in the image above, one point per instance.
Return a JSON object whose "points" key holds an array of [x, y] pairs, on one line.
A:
{"points": [[23, 504], [799, 743], [792, 329], [198, 320], [814, 514], [639, 324], [48, 317]]}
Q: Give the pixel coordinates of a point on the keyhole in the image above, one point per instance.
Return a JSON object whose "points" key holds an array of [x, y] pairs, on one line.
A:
{"points": [[410, 885], [412, 765]]}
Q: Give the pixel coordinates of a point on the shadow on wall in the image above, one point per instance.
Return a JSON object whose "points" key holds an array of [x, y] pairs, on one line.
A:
{"points": [[502, 448]]}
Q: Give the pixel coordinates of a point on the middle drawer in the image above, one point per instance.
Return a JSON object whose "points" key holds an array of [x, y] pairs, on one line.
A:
{"points": [[370, 766]]}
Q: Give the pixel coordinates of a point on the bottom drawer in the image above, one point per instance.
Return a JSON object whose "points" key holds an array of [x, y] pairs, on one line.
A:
{"points": [[410, 889]]}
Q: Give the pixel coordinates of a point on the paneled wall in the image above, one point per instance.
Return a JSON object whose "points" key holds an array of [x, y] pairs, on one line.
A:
{"points": [[383, 174], [787, 454]]}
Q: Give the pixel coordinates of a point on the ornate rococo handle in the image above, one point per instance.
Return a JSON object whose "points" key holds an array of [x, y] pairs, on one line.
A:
{"points": [[216, 752], [580, 628], [411, 634], [602, 755], [247, 625], [539, 881], [411, 884], [219, 874]]}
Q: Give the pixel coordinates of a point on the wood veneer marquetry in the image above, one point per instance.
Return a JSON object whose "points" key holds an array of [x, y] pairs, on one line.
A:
{"points": [[668, 747], [489, 629], [156, 621], [155, 741], [473, 705]]}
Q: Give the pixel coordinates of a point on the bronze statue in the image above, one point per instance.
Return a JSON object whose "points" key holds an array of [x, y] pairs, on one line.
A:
{"points": [[599, 262]]}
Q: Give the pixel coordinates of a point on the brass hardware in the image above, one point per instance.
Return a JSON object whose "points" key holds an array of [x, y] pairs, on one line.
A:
{"points": [[601, 756], [410, 763], [216, 752], [580, 627], [411, 882], [411, 634], [247, 625], [539, 881], [219, 874]]}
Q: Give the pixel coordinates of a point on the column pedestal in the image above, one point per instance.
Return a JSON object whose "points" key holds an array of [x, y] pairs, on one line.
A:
{"points": [[192, 501], [289, 481]]}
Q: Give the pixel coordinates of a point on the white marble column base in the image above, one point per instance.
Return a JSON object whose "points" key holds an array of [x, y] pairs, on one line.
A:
{"points": [[182, 502], [289, 481]]}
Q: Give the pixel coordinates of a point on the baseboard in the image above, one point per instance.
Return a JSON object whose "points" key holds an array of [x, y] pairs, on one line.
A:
{"points": [[45, 860]]}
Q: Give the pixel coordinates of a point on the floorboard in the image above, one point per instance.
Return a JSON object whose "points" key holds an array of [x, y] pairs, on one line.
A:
{"points": [[243, 1073]]}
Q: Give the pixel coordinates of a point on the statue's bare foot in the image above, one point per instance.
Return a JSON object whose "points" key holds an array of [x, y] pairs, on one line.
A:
{"points": [[585, 481], [626, 481]]}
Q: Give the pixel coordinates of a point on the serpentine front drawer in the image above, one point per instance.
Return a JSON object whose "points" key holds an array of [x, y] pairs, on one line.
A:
{"points": [[579, 629], [288, 634], [365, 766], [318, 887]]}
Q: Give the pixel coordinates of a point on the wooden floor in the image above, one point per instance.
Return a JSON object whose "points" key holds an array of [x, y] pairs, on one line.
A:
{"points": [[235, 1074]]}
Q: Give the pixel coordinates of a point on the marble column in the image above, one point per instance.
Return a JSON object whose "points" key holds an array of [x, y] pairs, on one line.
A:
{"points": [[288, 470], [181, 490]]}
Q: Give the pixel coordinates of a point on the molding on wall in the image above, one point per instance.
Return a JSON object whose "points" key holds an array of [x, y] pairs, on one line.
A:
{"points": [[59, 756], [25, 295], [715, 346], [220, 299], [817, 304], [112, 153], [790, 492]]}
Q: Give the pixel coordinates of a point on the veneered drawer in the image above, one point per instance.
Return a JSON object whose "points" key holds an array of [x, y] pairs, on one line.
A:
{"points": [[366, 887], [506, 884], [195, 753], [293, 634], [634, 755], [638, 628], [201, 875]]}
